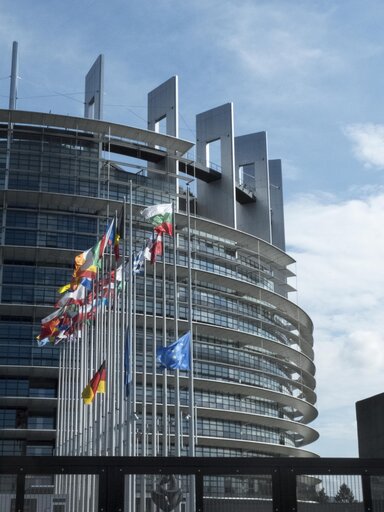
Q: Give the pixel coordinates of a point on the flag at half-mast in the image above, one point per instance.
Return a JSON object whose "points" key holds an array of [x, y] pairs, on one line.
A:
{"points": [[160, 216], [177, 355], [95, 385]]}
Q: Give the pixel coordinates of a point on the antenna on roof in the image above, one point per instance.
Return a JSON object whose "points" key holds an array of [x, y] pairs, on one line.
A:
{"points": [[13, 88]]}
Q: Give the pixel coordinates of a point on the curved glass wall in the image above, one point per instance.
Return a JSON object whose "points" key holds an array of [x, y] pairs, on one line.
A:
{"points": [[59, 187]]}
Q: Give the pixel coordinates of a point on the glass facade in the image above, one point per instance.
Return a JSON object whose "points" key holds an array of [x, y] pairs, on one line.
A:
{"points": [[253, 357]]}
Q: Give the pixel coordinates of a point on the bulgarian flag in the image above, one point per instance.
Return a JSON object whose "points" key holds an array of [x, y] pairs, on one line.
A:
{"points": [[95, 385], [160, 216]]}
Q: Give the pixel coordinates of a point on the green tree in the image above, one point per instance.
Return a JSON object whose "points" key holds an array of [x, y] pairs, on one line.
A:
{"points": [[345, 495]]}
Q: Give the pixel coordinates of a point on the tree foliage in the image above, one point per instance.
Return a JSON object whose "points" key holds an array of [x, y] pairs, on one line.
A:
{"points": [[344, 495], [322, 496]]}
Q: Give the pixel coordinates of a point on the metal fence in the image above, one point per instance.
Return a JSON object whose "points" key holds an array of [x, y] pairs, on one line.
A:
{"points": [[121, 484]]}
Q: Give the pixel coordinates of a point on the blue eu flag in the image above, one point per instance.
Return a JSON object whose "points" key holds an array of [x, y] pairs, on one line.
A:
{"points": [[177, 355]]}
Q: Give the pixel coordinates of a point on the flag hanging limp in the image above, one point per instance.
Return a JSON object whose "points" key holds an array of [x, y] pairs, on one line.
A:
{"points": [[160, 216], [95, 385], [177, 355]]}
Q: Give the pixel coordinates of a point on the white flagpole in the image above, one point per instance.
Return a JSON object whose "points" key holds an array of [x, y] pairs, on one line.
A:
{"points": [[108, 356], [70, 399], [154, 376], [121, 350], [191, 442], [178, 430], [114, 357], [60, 416], [131, 421], [130, 330], [190, 326], [165, 373], [144, 394], [134, 364]]}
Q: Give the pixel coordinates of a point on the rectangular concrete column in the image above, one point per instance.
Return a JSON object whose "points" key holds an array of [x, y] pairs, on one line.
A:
{"points": [[277, 203], [216, 200], [163, 104], [252, 156], [94, 90]]}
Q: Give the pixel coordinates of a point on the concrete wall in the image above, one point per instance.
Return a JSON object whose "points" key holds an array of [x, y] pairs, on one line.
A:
{"points": [[254, 217], [94, 90], [277, 203], [163, 102], [216, 200]]}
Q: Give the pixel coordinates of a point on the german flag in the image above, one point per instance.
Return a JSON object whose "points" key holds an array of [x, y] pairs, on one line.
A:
{"points": [[95, 385]]}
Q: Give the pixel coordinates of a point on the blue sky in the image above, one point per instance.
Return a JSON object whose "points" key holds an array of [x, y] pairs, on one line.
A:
{"points": [[310, 74]]}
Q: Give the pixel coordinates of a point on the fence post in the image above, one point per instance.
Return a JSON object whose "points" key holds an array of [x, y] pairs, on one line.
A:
{"points": [[20, 490], [367, 492], [199, 489], [284, 489], [114, 489]]}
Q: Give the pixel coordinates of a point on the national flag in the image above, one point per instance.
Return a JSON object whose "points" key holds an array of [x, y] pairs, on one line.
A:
{"points": [[138, 263], [64, 288], [147, 249], [73, 297], [86, 264], [87, 283], [49, 329], [107, 238], [177, 355], [127, 365], [119, 274], [53, 315], [95, 385], [119, 233], [45, 341], [160, 216], [157, 247]]}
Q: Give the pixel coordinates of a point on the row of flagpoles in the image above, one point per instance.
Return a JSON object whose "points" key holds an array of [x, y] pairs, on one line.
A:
{"points": [[95, 320]]}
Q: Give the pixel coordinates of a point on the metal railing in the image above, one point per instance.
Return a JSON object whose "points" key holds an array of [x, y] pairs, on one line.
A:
{"points": [[246, 483]]}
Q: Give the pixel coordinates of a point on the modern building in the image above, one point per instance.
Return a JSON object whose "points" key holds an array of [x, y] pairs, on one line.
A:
{"points": [[370, 426], [62, 178]]}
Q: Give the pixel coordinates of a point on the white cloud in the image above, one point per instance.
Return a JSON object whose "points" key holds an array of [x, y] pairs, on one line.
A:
{"points": [[368, 142], [279, 40], [339, 247]]}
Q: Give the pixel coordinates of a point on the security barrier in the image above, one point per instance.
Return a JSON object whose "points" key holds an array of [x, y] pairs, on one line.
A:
{"points": [[130, 484]]}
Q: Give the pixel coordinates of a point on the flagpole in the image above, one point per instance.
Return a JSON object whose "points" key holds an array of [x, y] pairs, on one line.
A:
{"points": [[191, 443], [76, 401], [123, 327], [60, 416], [154, 376], [134, 364], [108, 352], [190, 326], [131, 405], [144, 393], [115, 355], [165, 373], [70, 399], [177, 410], [98, 357]]}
